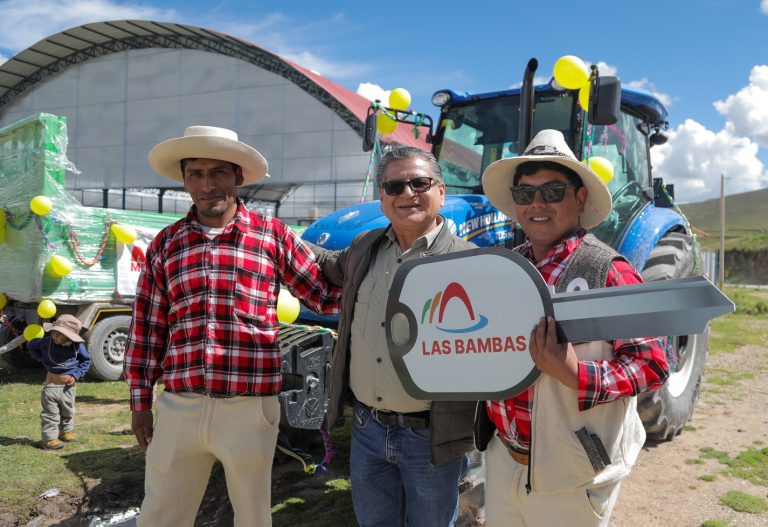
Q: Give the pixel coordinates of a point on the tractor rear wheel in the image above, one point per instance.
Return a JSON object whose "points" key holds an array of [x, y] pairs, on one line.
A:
{"points": [[666, 411]]}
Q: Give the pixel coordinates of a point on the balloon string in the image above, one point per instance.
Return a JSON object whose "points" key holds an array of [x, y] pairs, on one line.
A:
{"points": [[19, 226], [369, 173]]}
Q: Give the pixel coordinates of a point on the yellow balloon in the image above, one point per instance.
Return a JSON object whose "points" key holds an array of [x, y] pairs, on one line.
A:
{"points": [[2, 233], [34, 331], [584, 96], [288, 307], [59, 266], [41, 205], [385, 124], [124, 233], [3, 300], [571, 72], [46, 309], [399, 99], [602, 167]]}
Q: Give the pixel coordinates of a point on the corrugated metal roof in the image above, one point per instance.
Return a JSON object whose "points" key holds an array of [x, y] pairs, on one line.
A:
{"points": [[57, 52]]}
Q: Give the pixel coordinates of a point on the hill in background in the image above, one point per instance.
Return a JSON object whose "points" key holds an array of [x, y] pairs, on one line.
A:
{"points": [[746, 221]]}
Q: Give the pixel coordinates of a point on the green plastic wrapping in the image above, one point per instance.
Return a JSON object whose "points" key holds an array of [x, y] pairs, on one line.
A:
{"points": [[33, 163]]}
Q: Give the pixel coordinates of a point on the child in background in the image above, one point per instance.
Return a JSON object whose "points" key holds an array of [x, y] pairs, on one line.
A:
{"points": [[64, 356]]}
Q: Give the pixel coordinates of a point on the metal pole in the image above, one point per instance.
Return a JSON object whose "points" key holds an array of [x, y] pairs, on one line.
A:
{"points": [[721, 262]]}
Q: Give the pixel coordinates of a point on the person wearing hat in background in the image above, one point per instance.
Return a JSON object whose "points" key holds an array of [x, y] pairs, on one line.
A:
{"points": [[205, 320], [559, 450], [66, 360]]}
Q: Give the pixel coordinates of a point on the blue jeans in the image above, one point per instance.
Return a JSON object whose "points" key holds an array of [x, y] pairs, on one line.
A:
{"points": [[393, 480]]}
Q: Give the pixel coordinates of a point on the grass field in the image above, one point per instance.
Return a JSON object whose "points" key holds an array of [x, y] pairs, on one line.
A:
{"points": [[105, 467]]}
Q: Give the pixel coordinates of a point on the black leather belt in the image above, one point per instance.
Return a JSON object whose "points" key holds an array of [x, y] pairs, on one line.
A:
{"points": [[403, 420]]}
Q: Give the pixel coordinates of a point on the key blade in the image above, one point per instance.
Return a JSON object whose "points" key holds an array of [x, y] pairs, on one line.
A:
{"points": [[679, 306]]}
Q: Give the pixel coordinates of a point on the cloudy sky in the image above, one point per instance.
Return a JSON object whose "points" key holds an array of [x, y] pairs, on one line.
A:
{"points": [[707, 60]]}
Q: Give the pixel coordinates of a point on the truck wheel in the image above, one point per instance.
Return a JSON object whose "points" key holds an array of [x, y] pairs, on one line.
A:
{"points": [[106, 345], [666, 411]]}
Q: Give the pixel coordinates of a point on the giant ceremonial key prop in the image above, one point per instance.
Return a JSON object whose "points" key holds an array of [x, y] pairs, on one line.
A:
{"points": [[458, 325]]}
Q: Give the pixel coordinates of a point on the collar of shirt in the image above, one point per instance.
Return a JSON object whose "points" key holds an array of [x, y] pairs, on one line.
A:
{"points": [[426, 241], [241, 221], [553, 263]]}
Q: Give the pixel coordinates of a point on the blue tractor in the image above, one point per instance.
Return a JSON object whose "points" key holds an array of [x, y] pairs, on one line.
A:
{"points": [[621, 125]]}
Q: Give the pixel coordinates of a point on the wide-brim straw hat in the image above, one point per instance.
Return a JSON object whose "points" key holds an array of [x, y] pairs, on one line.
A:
{"points": [[548, 145], [67, 325], [207, 142]]}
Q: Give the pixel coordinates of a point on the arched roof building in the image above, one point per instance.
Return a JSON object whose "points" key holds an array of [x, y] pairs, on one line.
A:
{"points": [[126, 85]]}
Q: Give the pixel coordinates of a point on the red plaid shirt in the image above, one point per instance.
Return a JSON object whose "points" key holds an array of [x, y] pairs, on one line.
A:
{"points": [[638, 365], [205, 311]]}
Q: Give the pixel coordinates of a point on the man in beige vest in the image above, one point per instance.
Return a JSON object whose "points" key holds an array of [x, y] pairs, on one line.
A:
{"points": [[559, 450]]}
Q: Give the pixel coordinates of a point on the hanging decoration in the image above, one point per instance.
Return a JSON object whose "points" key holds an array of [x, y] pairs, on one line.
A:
{"points": [[34, 331], [602, 167], [370, 174], [124, 233], [46, 309], [59, 266], [41, 205], [399, 99], [385, 124], [572, 73], [288, 307]]}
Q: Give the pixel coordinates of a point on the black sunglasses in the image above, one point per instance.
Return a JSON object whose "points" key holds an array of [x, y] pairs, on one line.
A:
{"points": [[395, 187], [550, 193]]}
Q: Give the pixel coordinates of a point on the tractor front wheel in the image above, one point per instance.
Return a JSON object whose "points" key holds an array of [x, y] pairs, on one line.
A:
{"points": [[666, 411]]}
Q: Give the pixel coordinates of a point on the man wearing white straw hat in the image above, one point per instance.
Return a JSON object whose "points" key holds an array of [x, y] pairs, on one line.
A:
{"points": [[205, 320], [556, 454]]}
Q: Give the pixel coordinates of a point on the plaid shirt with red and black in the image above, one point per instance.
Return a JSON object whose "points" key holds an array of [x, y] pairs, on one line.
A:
{"points": [[639, 365], [205, 311]]}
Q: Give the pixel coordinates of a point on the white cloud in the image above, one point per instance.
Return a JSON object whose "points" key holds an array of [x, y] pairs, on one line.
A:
{"points": [[606, 69], [373, 91], [764, 7], [645, 84], [23, 22], [3, 59], [747, 110], [694, 158], [325, 67], [292, 39]]}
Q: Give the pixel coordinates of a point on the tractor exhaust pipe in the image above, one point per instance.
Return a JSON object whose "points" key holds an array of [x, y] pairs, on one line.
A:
{"points": [[526, 107]]}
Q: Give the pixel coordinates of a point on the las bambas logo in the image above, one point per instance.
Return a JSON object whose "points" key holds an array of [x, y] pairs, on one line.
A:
{"points": [[460, 327]]}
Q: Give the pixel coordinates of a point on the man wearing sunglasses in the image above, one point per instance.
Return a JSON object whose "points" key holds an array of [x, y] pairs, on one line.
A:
{"points": [[561, 448], [408, 456]]}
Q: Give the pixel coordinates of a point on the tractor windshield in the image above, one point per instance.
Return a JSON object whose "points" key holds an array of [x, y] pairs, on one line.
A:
{"points": [[475, 134]]}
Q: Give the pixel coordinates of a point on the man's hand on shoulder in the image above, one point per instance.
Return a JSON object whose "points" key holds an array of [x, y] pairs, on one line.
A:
{"points": [[142, 425]]}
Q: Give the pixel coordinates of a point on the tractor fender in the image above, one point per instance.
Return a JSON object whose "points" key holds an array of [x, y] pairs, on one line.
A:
{"points": [[646, 230]]}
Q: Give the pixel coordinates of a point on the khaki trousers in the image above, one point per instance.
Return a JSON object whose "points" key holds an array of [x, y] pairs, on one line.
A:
{"points": [[507, 504], [58, 402], [191, 431]]}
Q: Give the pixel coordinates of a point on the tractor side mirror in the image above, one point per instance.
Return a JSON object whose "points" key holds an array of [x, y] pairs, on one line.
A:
{"points": [[369, 131], [604, 100]]}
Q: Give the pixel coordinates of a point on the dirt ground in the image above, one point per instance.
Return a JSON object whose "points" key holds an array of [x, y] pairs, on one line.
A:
{"points": [[663, 489]]}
